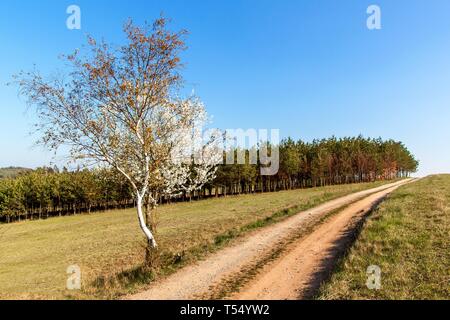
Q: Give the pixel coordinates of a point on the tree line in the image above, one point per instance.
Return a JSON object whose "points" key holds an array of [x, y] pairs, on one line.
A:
{"points": [[49, 192], [324, 162]]}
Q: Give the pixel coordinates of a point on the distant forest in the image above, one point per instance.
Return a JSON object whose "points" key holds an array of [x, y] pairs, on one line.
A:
{"points": [[47, 192], [12, 172]]}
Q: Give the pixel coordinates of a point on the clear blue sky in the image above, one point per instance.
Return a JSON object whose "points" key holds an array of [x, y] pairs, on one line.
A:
{"points": [[310, 68]]}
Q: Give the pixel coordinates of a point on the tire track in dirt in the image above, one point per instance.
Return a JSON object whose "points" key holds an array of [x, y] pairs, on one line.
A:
{"points": [[307, 262], [203, 278]]}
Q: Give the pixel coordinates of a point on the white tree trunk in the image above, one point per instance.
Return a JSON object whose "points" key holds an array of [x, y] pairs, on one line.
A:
{"points": [[145, 229]]}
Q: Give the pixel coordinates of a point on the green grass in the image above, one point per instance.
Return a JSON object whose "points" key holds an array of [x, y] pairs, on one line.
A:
{"points": [[408, 237], [108, 247]]}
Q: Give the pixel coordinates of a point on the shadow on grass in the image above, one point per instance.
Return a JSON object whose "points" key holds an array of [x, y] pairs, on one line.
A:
{"points": [[335, 256], [124, 280]]}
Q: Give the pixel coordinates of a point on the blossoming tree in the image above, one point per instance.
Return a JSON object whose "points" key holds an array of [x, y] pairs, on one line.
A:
{"points": [[120, 107]]}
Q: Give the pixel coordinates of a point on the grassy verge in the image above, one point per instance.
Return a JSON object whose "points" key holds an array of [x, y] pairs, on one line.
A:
{"points": [[108, 247], [408, 237]]}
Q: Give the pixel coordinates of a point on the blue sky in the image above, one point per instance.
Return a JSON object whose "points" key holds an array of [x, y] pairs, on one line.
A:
{"points": [[310, 68]]}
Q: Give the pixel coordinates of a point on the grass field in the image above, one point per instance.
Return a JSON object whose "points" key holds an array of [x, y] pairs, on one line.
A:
{"points": [[108, 247], [408, 237]]}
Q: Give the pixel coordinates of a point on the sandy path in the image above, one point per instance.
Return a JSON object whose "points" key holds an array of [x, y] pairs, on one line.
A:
{"points": [[298, 273], [197, 280]]}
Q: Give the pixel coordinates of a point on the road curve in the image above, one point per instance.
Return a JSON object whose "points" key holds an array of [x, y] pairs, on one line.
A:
{"points": [[202, 278], [298, 273]]}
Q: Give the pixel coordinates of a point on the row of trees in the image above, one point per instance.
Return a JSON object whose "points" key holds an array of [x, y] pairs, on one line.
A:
{"points": [[325, 162], [49, 192]]}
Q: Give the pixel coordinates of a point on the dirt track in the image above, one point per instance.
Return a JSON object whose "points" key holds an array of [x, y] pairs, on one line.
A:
{"points": [[294, 275]]}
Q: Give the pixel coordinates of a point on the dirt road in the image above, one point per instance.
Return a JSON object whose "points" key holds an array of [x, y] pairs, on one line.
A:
{"points": [[293, 275], [298, 273]]}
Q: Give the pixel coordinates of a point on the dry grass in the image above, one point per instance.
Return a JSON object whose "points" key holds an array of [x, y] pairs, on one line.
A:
{"points": [[108, 246], [408, 237]]}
